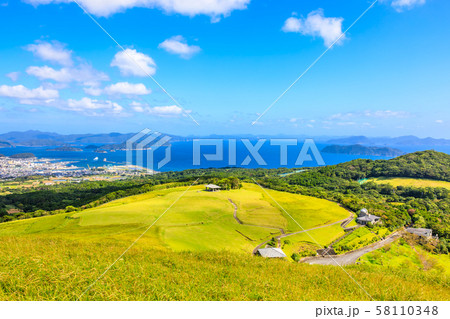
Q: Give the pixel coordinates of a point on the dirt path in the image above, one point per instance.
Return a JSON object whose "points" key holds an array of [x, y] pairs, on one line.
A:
{"points": [[343, 222], [247, 224], [351, 257], [281, 230]]}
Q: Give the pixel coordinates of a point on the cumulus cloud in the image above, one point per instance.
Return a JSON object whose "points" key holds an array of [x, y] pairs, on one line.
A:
{"points": [[316, 25], [161, 111], [131, 62], [178, 45], [84, 73], [93, 107], [213, 8], [24, 93], [53, 52], [127, 89], [400, 5]]}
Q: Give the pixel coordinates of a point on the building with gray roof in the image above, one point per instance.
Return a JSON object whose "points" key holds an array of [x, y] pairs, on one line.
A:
{"points": [[423, 232], [271, 252]]}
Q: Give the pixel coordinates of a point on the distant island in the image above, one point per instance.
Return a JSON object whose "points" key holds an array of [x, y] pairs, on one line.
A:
{"points": [[65, 149], [363, 150], [390, 141], [4, 144], [23, 156]]}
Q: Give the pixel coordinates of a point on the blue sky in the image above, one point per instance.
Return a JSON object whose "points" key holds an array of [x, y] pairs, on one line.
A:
{"points": [[225, 62]]}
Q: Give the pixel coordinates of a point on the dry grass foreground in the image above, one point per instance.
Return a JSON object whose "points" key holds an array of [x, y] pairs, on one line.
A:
{"points": [[36, 268]]}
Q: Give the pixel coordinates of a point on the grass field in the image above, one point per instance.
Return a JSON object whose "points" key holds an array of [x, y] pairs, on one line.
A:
{"points": [[359, 238], [401, 181], [402, 255], [196, 251], [198, 221], [42, 268]]}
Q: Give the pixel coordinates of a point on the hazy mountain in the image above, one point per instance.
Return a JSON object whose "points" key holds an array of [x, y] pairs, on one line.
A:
{"points": [[391, 141], [38, 138], [4, 144], [363, 150]]}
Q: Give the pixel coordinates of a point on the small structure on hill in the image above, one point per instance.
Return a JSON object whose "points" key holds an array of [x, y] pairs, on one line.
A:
{"points": [[212, 188], [326, 252], [365, 218], [271, 252], [423, 232]]}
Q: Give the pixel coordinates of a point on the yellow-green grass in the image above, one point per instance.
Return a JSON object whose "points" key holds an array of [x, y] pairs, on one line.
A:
{"points": [[198, 220], [416, 182], [402, 255], [39, 267], [312, 240], [359, 238], [309, 212], [196, 251]]}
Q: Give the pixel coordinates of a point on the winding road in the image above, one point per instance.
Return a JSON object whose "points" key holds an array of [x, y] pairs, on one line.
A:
{"points": [[343, 223], [351, 257]]}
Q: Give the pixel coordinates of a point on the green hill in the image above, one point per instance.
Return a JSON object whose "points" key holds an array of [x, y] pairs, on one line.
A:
{"points": [[427, 164], [201, 250], [199, 221]]}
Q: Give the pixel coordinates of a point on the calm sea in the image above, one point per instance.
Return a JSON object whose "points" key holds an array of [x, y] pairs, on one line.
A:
{"points": [[182, 156]]}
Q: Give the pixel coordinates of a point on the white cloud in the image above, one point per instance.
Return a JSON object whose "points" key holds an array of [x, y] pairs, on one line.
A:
{"points": [[161, 111], [93, 107], [131, 62], [178, 45], [316, 24], [14, 76], [21, 92], [127, 89], [292, 24], [94, 91], [83, 74], [53, 52], [213, 8], [399, 5], [380, 114], [439, 121], [172, 110], [346, 123]]}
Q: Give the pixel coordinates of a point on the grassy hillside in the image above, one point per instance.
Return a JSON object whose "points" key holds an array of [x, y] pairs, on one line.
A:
{"points": [[414, 182], [199, 221], [38, 267], [401, 254], [426, 164]]}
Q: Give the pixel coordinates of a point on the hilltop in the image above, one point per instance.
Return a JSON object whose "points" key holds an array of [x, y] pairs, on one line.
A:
{"points": [[426, 164]]}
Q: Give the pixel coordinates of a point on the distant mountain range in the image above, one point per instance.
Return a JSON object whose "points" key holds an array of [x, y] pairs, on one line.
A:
{"points": [[363, 150], [38, 138], [391, 141]]}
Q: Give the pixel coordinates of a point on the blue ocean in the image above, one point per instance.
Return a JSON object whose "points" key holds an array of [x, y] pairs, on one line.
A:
{"points": [[182, 156]]}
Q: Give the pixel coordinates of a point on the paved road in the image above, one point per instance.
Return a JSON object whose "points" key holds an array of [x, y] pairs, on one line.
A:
{"points": [[351, 257]]}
